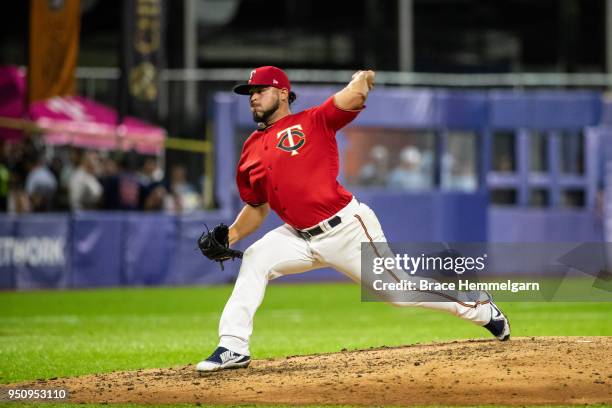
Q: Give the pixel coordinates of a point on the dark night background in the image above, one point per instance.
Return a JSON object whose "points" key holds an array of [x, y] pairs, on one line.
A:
{"points": [[449, 35]]}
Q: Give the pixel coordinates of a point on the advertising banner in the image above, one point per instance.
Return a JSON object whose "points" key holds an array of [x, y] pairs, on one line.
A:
{"points": [[54, 47], [38, 252], [143, 56]]}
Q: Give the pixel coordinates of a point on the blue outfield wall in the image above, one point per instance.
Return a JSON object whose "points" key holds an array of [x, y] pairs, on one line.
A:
{"points": [[97, 249], [100, 249], [508, 224]]}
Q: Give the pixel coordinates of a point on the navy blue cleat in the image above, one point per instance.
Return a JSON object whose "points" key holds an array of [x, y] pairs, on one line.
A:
{"points": [[499, 326], [222, 359]]}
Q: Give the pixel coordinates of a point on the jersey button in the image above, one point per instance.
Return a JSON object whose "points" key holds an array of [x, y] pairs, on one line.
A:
{"points": [[269, 167], [275, 188], [265, 147]]}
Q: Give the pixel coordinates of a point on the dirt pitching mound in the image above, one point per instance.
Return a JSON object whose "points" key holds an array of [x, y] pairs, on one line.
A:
{"points": [[537, 370]]}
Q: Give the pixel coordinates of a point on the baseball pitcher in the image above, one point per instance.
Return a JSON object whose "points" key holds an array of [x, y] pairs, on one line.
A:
{"points": [[324, 223]]}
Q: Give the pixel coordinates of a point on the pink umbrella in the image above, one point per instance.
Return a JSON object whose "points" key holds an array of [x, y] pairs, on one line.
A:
{"points": [[83, 122]]}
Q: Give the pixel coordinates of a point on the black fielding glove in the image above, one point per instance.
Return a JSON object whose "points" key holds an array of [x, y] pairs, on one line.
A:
{"points": [[215, 245]]}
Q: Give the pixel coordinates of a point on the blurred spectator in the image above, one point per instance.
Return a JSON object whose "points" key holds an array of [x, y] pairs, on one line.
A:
{"points": [[84, 189], [182, 196], [376, 171], [150, 171], [40, 184], [408, 175], [70, 165], [60, 198], [458, 174], [462, 178], [15, 157], [155, 198], [55, 166], [149, 176], [62, 168], [18, 201], [109, 166], [122, 189]]}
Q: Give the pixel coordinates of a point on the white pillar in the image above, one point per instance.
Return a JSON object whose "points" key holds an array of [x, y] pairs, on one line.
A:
{"points": [[190, 54], [405, 33]]}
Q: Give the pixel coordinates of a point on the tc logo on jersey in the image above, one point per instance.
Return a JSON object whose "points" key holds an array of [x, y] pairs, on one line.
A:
{"points": [[291, 139]]}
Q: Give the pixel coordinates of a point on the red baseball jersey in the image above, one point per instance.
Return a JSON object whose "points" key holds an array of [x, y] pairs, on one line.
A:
{"points": [[293, 165]]}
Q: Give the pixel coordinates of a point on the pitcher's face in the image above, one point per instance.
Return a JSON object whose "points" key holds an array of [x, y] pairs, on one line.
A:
{"points": [[265, 101]]}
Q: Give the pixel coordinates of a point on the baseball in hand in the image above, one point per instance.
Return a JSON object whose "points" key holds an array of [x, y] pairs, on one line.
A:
{"points": [[368, 75]]}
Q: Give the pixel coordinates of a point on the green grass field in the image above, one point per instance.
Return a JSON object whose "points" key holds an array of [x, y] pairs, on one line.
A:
{"points": [[69, 333]]}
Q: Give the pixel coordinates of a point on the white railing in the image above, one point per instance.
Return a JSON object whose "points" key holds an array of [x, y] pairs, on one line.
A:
{"points": [[542, 80]]}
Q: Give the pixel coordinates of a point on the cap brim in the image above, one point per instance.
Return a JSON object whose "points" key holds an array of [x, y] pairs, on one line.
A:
{"points": [[243, 89]]}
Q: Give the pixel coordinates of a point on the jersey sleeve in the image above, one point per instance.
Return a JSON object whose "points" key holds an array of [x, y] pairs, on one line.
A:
{"points": [[247, 192], [334, 117]]}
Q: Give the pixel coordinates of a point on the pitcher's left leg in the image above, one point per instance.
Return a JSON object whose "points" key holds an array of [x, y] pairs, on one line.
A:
{"points": [[342, 250]]}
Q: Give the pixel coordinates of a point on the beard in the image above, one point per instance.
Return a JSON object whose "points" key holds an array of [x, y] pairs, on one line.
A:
{"points": [[263, 117]]}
